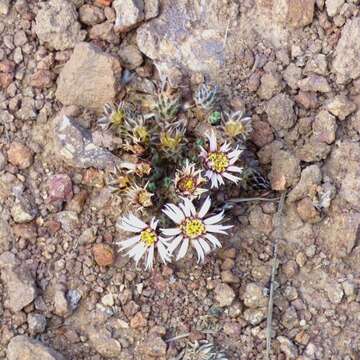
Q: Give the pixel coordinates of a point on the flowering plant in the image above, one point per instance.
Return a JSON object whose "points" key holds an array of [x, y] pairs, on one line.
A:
{"points": [[176, 155]]}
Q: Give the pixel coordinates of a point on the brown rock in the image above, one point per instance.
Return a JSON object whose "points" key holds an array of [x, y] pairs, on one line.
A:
{"points": [[42, 79], [280, 112], [324, 127], [138, 321], [314, 83], [254, 296], [307, 211], [307, 99], [103, 254], [155, 346], [129, 13], [300, 13], [270, 85], [340, 106], [224, 295], [285, 170], [260, 221], [104, 31], [89, 78], [292, 74], [104, 2], [6, 79], [313, 150], [60, 188], [316, 65], [262, 133], [7, 66], [76, 204], [130, 56], [93, 177], [91, 15], [20, 155]]}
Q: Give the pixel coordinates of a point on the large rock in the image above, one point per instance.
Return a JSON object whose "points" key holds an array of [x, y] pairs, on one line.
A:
{"points": [[74, 145], [129, 13], [347, 62], [24, 348], [20, 285], [195, 31], [57, 26], [89, 79], [280, 112]]}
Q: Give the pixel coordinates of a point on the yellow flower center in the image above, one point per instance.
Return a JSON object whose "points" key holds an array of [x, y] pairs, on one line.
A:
{"points": [[170, 142], [144, 198], [141, 133], [143, 168], [148, 237], [187, 184], [193, 228], [234, 128], [218, 162], [118, 117], [122, 182]]}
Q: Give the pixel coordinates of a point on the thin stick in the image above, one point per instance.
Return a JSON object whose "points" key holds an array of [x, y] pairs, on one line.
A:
{"points": [[226, 35], [178, 337], [278, 235], [239, 200]]}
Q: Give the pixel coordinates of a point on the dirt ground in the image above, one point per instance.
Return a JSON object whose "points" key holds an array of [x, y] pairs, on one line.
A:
{"points": [[293, 65]]}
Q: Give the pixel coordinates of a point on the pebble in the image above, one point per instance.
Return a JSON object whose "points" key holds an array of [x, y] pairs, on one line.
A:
{"points": [[103, 254], [154, 346], [255, 316], [36, 323], [91, 15], [129, 13], [138, 321], [20, 155], [224, 294], [59, 188], [340, 106], [315, 83], [254, 296]]}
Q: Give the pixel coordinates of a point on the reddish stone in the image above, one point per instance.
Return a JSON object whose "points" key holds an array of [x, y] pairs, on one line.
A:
{"points": [[53, 226], [103, 2], [262, 133], [103, 254], [93, 177], [42, 79], [138, 321], [7, 66], [60, 188], [5, 80], [19, 155], [77, 202]]}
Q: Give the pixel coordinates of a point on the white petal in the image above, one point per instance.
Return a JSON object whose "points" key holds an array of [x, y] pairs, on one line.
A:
{"points": [[137, 251], [234, 154], [125, 226], [177, 211], [214, 182], [213, 240], [220, 179], [183, 249], [186, 210], [140, 254], [219, 229], [163, 252], [172, 215], [189, 205], [133, 220], [129, 242], [235, 169], [214, 219], [205, 246], [225, 148], [175, 243], [209, 174], [199, 251], [205, 207], [212, 141], [171, 231], [150, 258], [230, 177], [154, 223]]}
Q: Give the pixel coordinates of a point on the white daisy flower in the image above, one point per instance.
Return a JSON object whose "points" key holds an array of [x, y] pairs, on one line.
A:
{"points": [[188, 181], [236, 125], [144, 242], [193, 228], [219, 162], [139, 197]]}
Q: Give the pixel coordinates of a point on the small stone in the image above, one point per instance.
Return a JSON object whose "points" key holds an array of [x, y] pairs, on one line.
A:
{"points": [[104, 344], [292, 74], [61, 305], [36, 323], [300, 259], [316, 65], [20, 155], [4, 7], [76, 204], [5, 80], [254, 296], [285, 170], [290, 269], [307, 211], [310, 179], [349, 288], [7, 66], [108, 300], [42, 79], [91, 15], [19, 284], [232, 329], [300, 13], [270, 85], [280, 112], [287, 347], [22, 347], [155, 347], [88, 236], [73, 296], [104, 2], [59, 188], [104, 31], [224, 295], [89, 78], [307, 99], [255, 316], [313, 150], [129, 13], [228, 277], [333, 6], [57, 25], [262, 133], [341, 107], [324, 127], [138, 320], [103, 254], [130, 56], [314, 83], [22, 211], [335, 293], [69, 220], [302, 338]]}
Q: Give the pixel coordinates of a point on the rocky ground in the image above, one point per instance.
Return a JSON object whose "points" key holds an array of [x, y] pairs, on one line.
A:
{"points": [[65, 293]]}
